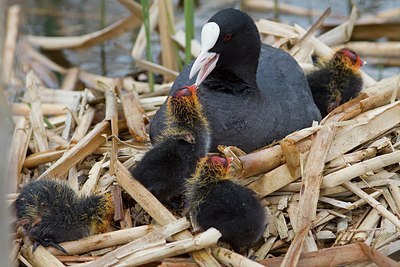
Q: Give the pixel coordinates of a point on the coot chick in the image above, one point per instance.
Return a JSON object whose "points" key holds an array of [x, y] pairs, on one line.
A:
{"points": [[215, 201], [337, 81], [252, 93], [164, 169], [51, 212]]}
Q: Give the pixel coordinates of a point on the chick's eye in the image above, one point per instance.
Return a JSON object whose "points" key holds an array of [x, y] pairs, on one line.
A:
{"points": [[227, 37], [353, 57]]}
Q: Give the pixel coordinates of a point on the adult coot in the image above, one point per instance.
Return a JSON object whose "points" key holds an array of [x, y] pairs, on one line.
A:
{"points": [[252, 93], [337, 81], [164, 169], [51, 213], [215, 200]]}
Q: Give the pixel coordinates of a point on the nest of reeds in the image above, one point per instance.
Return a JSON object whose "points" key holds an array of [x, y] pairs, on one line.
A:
{"points": [[331, 191]]}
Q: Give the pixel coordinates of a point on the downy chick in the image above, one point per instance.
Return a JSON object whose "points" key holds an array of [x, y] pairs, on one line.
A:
{"points": [[165, 168], [337, 81], [51, 212], [215, 201]]}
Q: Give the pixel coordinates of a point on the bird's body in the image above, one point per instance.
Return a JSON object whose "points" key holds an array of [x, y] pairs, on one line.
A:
{"points": [[164, 169], [216, 201], [252, 97], [51, 213], [336, 81]]}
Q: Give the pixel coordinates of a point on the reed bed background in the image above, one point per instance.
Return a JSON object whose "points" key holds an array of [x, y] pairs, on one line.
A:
{"points": [[331, 191]]}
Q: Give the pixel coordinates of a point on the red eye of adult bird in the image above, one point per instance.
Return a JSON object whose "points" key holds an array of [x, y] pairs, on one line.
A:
{"points": [[227, 37]]}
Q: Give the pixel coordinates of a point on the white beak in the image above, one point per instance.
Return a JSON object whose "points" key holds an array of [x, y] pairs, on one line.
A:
{"points": [[206, 61]]}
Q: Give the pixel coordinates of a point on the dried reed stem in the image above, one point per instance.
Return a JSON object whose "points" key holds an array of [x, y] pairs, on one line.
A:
{"points": [[10, 43], [309, 192], [358, 169], [230, 258], [78, 152], [36, 116], [41, 257], [87, 40], [134, 114], [201, 241], [374, 203], [155, 238], [96, 242], [17, 154], [169, 57]]}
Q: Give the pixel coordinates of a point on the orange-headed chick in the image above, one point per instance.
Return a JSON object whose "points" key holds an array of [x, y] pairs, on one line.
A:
{"points": [[51, 212], [215, 200], [165, 168], [337, 81]]}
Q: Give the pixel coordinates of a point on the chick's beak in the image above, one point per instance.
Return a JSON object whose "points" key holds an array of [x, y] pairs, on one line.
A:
{"points": [[206, 61], [361, 62], [192, 88]]}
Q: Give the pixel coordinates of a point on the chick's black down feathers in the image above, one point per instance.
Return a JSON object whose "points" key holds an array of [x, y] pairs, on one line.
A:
{"points": [[51, 212], [164, 169], [336, 81], [225, 205], [234, 211]]}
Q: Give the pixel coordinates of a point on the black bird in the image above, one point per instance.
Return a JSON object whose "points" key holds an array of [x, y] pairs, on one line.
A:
{"points": [[164, 169], [337, 81], [51, 213], [252, 93], [214, 200]]}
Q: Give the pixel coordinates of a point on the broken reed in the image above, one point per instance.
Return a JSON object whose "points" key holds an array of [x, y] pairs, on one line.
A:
{"points": [[146, 23]]}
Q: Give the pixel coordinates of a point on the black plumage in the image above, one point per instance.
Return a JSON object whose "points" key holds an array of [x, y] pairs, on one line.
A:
{"points": [[51, 213], [164, 169], [336, 81], [215, 200], [255, 94]]}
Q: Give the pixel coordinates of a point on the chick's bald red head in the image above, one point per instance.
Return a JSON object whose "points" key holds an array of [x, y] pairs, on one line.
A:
{"points": [[185, 91], [351, 57]]}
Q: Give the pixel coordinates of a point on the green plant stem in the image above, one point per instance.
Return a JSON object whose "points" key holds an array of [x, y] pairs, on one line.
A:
{"points": [[189, 28], [146, 21]]}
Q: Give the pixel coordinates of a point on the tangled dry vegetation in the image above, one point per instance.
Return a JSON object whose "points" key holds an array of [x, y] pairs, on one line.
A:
{"points": [[331, 191]]}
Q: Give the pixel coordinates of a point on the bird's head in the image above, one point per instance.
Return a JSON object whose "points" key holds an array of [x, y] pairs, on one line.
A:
{"points": [[217, 167], [230, 42], [183, 106], [351, 59], [100, 211]]}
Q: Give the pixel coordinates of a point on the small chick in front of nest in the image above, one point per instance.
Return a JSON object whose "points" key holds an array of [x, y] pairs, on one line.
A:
{"points": [[165, 168], [215, 200], [51, 213], [337, 80]]}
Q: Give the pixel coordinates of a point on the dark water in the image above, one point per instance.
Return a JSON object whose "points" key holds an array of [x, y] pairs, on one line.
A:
{"points": [[74, 17]]}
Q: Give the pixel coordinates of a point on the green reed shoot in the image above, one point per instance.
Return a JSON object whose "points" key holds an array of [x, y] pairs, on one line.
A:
{"points": [[146, 21], [189, 28]]}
